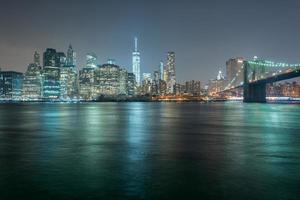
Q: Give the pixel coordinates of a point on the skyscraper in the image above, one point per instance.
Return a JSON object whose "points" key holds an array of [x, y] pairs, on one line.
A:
{"points": [[61, 59], [68, 75], [136, 63], [161, 70], [71, 57], [171, 78], [216, 85], [234, 72], [110, 80], [32, 84], [37, 59], [147, 83], [91, 60], [131, 84], [86, 83], [156, 83], [49, 58], [51, 75]]}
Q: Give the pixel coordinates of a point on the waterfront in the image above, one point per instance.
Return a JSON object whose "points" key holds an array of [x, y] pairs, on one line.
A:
{"points": [[149, 151]]}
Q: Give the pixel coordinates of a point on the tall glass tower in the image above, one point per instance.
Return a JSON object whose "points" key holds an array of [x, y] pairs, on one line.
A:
{"points": [[37, 59], [136, 63], [71, 56], [91, 60], [171, 79], [161, 70]]}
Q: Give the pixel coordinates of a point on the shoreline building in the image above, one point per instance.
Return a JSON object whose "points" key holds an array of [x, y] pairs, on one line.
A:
{"points": [[32, 84], [171, 73], [110, 80], [131, 84], [68, 74], [87, 77], [11, 85], [51, 75], [192, 88], [136, 63]]}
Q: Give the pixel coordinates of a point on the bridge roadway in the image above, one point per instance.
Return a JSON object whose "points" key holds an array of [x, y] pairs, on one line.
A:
{"points": [[256, 91]]}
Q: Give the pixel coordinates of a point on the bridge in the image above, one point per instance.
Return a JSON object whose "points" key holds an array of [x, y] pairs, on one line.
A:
{"points": [[257, 74]]}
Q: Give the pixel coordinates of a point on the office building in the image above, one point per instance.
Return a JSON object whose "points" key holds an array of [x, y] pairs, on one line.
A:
{"points": [[171, 73], [86, 83], [71, 57], [136, 62], [51, 75], [32, 84], [110, 81], [234, 72], [11, 85], [91, 60], [131, 84]]}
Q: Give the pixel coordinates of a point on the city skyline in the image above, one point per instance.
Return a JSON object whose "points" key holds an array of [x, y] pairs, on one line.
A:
{"points": [[202, 34]]}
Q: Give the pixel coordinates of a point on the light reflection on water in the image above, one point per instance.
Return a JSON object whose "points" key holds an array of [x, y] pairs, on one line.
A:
{"points": [[149, 151]]}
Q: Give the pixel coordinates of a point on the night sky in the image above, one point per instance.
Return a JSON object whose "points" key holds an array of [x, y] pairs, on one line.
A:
{"points": [[203, 34]]}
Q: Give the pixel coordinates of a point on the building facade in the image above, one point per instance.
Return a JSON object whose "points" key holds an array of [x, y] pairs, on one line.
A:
{"points": [[68, 83], [171, 73], [86, 83], [234, 72], [11, 85], [32, 84], [109, 81], [50, 75], [91, 60], [131, 84], [136, 63]]}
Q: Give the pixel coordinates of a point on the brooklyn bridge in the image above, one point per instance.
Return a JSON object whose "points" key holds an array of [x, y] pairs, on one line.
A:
{"points": [[257, 74]]}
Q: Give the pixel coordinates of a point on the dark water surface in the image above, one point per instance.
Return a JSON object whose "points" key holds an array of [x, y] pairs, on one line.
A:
{"points": [[149, 151]]}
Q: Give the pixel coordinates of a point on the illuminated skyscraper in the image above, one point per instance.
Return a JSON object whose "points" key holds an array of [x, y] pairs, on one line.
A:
{"points": [[11, 84], [91, 60], [234, 72], [136, 63], [131, 84], [147, 83], [37, 59], [68, 75], [68, 83], [51, 75], [50, 58], [171, 78], [71, 57], [110, 80], [156, 83], [216, 85], [161, 70], [86, 83], [87, 78], [61, 59], [32, 84], [192, 88]]}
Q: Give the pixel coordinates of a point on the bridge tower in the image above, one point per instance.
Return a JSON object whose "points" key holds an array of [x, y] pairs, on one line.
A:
{"points": [[253, 92]]}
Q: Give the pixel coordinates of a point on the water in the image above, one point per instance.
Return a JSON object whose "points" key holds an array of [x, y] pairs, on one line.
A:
{"points": [[149, 151]]}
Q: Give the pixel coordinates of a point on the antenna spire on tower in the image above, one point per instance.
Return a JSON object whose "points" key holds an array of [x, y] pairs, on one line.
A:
{"points": [[135, 44]]}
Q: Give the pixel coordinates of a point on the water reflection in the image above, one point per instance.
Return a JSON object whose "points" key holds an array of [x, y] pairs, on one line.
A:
{"points": [[149, 151]]}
